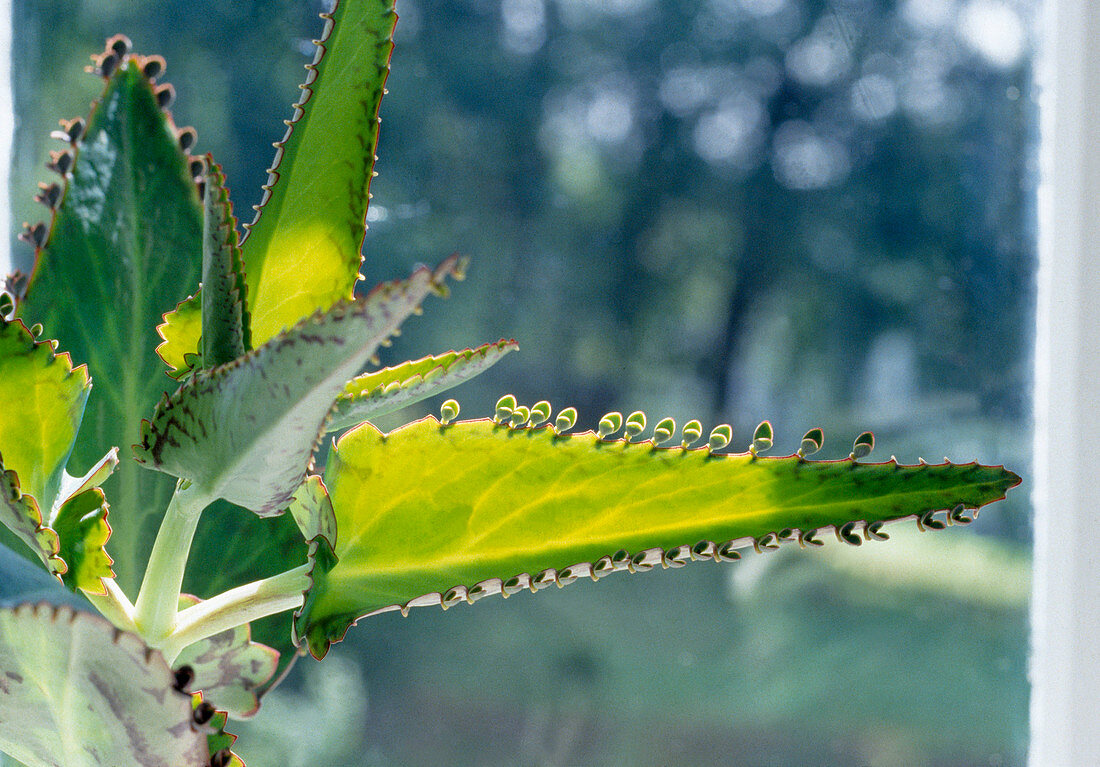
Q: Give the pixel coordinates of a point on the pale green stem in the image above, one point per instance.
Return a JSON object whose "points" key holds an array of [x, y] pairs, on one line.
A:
{"points": [[115, 606], [237, 607], [158, 600]]}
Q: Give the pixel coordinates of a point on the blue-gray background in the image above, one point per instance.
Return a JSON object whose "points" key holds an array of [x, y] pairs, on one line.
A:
{"points": [[813, 211]]}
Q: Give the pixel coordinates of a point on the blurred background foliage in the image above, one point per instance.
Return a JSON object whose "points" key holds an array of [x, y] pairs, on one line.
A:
{"points": [[814, 211]]}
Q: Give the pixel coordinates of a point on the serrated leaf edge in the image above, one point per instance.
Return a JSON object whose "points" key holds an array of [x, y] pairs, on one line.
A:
{"points": [[31, 235], [215, 185], [49, 543], [299, 107]]}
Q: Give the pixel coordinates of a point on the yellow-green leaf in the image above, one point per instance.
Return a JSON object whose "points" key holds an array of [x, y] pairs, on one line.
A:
{"points": [[430, 514], [81, 525], [181, 332], [42, 401], [302, 253]]}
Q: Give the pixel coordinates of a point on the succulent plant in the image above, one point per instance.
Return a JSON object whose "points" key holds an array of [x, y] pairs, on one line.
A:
{"points": [[220, 398]]}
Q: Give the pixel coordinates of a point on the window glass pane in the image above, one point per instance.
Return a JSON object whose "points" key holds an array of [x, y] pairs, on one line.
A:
{"points": [[815, 212]]}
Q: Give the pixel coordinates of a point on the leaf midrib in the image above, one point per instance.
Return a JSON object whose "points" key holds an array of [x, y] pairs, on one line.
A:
{"points": [[134, 373]]}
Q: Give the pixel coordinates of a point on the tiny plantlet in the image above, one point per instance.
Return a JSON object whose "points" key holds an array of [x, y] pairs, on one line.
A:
{"points": [[212, 404]]}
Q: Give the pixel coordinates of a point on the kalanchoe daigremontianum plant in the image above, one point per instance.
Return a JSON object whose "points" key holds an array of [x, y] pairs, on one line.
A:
{"points": [[265, 361]]}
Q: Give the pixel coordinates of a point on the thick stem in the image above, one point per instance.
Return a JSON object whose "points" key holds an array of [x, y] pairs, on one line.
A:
{"points": [[115, 606], [237, 607], [158, 600]]}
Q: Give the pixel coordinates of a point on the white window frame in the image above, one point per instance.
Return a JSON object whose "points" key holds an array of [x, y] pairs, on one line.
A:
{"points": [[7, 135], [1065, 659]]}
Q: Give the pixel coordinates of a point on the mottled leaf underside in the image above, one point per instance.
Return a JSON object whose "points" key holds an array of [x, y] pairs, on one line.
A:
{"points": [[77, 692], [389, 389], [228, 668], [245, 431], [432, 514]]}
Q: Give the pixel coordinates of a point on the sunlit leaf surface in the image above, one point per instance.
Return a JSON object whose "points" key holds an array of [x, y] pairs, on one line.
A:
{"points": [[314, 212], [430, 514]]}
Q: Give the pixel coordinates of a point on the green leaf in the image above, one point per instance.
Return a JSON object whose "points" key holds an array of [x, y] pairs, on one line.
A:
{"points": [[210, 328], [224, 318], [219, 742], [475, 507], [245, 431], [181, 332], [77, 692], [41, 404], [21, 514], [229, 668], [42, 401], [384, 391], [314, 209], [125, 244], [81, 524], [70, 541]]}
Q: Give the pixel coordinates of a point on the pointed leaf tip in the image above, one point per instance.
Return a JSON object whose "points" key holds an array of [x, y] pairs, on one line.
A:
{"points": [[129, 162], [595, 505], [384, 391], [332, 135]]}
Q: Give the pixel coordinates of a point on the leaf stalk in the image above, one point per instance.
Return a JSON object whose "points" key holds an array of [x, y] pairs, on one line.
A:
{"points": [[114, 605], [237, 607], [158, 601]]}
